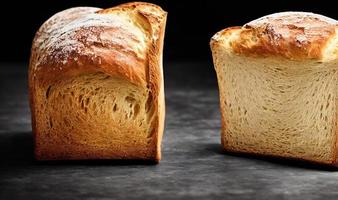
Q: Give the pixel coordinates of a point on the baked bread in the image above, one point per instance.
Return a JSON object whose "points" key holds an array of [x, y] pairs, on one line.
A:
{"points": [[277, 78], [96, 84]]}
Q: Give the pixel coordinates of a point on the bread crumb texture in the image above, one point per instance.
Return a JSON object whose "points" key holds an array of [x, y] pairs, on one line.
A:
{"points": [[94, 114]]}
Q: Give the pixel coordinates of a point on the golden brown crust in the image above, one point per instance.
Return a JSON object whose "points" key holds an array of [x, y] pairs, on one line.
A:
{"points": [[91, 39], [124, 41], [292, 35]]}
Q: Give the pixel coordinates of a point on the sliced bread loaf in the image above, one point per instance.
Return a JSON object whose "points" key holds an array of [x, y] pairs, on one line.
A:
{"points": [[96, 84], [277, 80]]}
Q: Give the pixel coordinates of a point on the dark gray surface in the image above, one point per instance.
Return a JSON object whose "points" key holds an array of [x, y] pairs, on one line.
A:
{"points": [[193, 165]]}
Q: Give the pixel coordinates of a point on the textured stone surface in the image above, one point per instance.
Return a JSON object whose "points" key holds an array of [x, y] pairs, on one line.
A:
{"points": [[193, 165]]}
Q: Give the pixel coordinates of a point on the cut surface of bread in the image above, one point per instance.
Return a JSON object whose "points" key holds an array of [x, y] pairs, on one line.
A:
{"points": [[276, 100], [96, 84], [98, 115]]}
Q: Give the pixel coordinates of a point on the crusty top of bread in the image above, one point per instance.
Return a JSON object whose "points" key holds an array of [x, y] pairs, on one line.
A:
{"points": [[117, 41], [292, 35]]}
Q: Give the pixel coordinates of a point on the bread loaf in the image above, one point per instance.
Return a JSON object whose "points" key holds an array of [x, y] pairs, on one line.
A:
{"points": [[96, 84], [277, 78]]}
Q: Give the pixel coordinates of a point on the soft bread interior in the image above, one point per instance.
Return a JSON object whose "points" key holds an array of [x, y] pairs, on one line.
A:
{"points": [[277, 107], [94, 114]]}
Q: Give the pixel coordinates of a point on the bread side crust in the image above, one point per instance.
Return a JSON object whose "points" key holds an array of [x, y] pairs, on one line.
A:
{"points": [[221, 40], [142, 67], [292, 35], [155, 78]]}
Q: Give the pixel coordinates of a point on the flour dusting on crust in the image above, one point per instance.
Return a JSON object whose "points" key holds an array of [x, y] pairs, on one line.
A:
{"points": [[77, 31]]}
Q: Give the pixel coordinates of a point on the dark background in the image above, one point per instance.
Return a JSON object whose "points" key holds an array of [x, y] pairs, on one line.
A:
{"points": [[189, 27]]}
